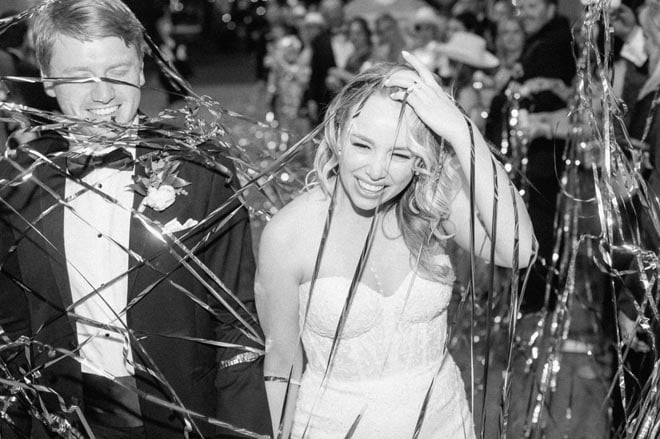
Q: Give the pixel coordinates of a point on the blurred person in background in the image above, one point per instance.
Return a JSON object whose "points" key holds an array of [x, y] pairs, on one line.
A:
{"points": [[359, 34], [468, 60], [509, 43], [468, 63], [540, 85], [644, 125], [175, 53], [342, 47], [644, 131], [17, 41], [288, 77], [281, 23], [428, 32], [547, 70], [499, 9], [17, 58], [389, 39], [631, 58], [473, 14], [316, 36]]}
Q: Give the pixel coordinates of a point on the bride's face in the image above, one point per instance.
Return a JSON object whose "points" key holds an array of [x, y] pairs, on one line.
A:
{"points": [[375, 164]]}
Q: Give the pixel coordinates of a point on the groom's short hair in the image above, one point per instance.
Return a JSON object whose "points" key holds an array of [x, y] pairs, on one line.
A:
{"points": [[84, 20]]}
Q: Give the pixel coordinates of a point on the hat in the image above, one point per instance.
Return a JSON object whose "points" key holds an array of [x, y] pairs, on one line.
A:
{"points": [[314, 19], [468, 48], [426, 15]]}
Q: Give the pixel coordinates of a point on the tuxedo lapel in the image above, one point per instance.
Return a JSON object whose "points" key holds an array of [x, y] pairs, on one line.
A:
{"points": [[138, 234], [52, 226]]}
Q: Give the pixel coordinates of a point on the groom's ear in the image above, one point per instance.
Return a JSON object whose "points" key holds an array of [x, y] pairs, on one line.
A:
{"points": [[49, 86]]}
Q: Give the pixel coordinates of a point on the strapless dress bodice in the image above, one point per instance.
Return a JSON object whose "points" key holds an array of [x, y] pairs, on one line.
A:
{"points": [[381, 334], [388, 358]]}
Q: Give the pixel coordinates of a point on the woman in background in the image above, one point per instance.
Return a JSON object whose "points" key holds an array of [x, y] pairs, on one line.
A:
{"points": [[359, 34]]}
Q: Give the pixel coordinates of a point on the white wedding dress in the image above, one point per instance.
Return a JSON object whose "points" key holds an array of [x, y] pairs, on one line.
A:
{"points": [[390, 353]]}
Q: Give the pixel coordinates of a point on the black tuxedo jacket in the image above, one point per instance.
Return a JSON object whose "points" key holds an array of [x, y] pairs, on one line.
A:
{"points": [[164, 317]]}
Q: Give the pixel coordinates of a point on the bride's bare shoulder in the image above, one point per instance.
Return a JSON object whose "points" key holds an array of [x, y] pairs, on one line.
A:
{"points": [[301, 217]]}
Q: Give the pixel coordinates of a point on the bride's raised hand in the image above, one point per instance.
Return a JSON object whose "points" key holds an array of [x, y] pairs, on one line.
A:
{"points": [[427, 99]]}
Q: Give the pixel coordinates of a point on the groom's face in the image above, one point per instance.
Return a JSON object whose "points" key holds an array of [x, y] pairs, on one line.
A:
{"points": [[96, 100]]}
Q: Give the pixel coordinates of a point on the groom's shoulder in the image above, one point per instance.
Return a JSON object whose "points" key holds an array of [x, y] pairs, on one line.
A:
{"points": [[48, 143], [16, 165]]}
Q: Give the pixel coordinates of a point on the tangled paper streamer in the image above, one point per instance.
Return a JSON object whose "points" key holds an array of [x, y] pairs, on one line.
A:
{"points": [[603, 212]]}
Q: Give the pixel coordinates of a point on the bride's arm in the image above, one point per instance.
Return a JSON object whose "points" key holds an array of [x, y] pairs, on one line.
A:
{"points": [[442, 116], [276, 294]]}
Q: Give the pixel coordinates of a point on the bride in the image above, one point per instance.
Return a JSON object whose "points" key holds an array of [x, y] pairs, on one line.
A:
{"points": [[355, 267]]}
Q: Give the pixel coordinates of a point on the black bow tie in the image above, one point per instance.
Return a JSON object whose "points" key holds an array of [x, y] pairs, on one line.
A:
{"points": [[82, 165]]}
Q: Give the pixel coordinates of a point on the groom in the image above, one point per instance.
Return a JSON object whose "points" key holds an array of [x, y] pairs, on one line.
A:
{"points": [[129, 334]]}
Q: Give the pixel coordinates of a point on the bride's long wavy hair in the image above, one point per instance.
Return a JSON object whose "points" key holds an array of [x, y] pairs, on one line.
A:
{"points": [[422, 208]]}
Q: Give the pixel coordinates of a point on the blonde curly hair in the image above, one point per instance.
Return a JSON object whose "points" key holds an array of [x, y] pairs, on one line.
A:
{"points": [[422, 209]]}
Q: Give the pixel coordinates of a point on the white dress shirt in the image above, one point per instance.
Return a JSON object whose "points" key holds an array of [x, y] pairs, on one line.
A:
{"points": [[342, 49], [96, 237]]}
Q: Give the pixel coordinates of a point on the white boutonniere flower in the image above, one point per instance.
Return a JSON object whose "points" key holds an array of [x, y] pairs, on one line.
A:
{"points": [[161, 183]]}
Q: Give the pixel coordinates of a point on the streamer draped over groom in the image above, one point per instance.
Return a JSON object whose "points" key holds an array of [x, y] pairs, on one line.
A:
{"points": [[126, 266]]}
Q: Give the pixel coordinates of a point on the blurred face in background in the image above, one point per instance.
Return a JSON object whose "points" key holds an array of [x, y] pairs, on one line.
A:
{"points": [[535, 14], [333, 12], [510, 35], [500, 10], [386, 29], [454, 25], [358, 35], [425, 32], [309, 31]]}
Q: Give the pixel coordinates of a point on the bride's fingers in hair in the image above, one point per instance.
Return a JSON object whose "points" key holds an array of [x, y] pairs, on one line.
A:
{"points": [[402, 78], [424, 73], [426, 76], [408, 85], [433, 107], [402, 87]]}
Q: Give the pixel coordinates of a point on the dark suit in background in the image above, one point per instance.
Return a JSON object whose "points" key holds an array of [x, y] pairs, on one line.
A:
{"points": [[546, 54], [322, 60]]}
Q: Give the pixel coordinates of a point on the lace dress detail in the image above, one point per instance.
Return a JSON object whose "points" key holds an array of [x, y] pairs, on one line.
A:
{"points": [[390, 353]]}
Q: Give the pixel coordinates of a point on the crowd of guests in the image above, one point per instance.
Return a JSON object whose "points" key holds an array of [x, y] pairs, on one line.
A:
{"points": [[319, 49]]}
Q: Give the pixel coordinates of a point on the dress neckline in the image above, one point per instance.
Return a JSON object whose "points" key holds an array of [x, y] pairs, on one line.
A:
{"points": [[406, 282]]}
